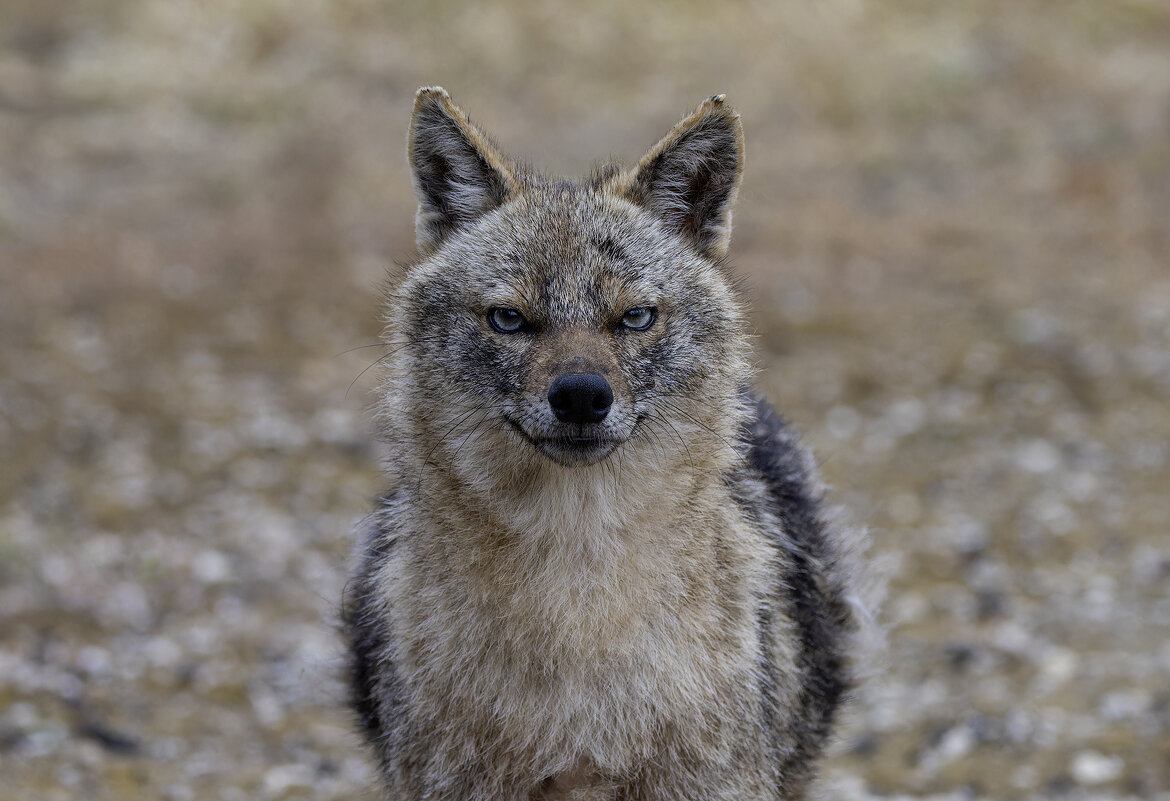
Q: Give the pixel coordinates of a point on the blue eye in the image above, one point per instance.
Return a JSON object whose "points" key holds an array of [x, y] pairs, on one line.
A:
{"points": [[506, 321], [640, 319]]}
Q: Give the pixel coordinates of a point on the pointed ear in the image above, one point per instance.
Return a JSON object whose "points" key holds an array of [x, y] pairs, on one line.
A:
{"points": [[457, 173], [690, 178]]}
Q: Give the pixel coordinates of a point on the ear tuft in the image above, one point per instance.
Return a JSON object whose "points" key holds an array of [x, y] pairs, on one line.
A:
{"points": [[456, 171], [690, 178]]}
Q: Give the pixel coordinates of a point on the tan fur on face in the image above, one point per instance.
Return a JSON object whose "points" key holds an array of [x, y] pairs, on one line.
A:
{"points": [[575, 350]]}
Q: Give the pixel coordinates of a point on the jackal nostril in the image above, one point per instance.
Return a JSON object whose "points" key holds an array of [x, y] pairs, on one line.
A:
{"points": [[580, 398]]}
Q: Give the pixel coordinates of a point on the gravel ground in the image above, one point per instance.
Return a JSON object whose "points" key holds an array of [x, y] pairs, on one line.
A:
{"points": [[955, 231]]}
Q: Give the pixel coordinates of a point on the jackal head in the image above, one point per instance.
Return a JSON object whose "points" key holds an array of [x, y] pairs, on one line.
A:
{"points": [[555, 324]]}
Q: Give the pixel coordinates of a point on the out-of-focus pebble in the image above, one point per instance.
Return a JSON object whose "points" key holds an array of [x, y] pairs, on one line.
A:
{"points": [[1092, 767]]}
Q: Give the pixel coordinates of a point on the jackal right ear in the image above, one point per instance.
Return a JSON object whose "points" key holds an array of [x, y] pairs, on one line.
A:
{"points": [[457, 173], [690, 178]]}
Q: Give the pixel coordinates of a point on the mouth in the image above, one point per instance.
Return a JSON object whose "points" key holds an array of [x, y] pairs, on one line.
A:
{"points": [[569, 449]]}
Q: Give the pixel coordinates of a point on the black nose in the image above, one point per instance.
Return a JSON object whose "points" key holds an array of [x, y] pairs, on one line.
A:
{"points": [[580, 398]]}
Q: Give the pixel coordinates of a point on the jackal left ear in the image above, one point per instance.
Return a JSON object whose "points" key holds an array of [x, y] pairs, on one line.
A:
{"points": [[457, 173], [690, 178]]}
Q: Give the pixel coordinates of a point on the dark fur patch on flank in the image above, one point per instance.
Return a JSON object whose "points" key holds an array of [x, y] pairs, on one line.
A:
{"points": [[369, 670], [815, 603]]}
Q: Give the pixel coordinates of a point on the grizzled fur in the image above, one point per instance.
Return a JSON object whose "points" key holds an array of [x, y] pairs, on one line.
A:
{"points": [[653, 610]]}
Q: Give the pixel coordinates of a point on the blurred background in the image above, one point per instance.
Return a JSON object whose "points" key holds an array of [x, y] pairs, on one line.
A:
{"points": [[955, 227]]}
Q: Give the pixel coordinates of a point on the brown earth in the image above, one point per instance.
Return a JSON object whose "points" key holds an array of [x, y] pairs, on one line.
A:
{"points": [[956, 227]]}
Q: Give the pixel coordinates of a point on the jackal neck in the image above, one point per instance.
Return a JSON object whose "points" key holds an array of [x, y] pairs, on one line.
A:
{"points": [[582, 510], [570, 547]]}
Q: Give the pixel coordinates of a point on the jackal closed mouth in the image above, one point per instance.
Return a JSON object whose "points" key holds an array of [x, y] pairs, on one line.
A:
{"points": [[566, 448]]}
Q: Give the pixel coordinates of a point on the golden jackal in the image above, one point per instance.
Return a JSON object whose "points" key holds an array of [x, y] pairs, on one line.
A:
{"points": [[601, 570]]}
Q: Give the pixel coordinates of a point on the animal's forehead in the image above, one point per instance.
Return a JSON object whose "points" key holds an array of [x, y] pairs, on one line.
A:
{"points": [[579, 243]]}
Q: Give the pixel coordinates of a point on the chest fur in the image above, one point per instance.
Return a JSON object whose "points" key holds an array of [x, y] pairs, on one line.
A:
{"points": [[554, 653]]}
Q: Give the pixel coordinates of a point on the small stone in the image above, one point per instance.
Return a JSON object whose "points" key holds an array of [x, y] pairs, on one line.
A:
{"points": [[1032, 326], [211, 567], [906, 416], [1092, 767], [843, 421], [22, 716], [1038, 456], [1124, 704], [1058, 664], [281, 778], [1024, 777], [94, 661], [955, 744]]}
